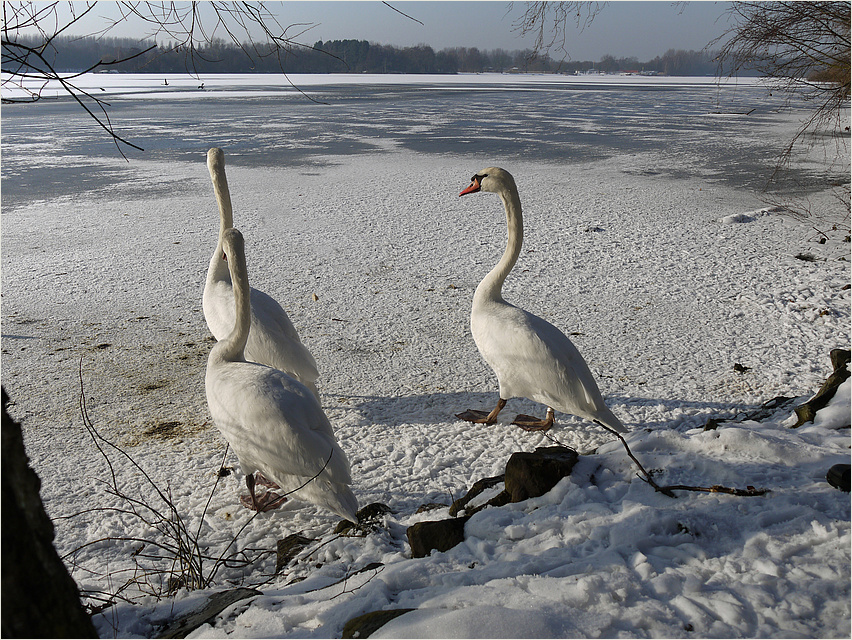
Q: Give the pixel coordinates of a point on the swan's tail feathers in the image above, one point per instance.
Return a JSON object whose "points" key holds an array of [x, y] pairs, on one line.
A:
{"points": [[334, 496], [346, 503], [607, 419]]}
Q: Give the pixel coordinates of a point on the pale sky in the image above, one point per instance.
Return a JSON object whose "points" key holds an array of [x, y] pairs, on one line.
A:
{"points": [[623, 29], [640, 29]]}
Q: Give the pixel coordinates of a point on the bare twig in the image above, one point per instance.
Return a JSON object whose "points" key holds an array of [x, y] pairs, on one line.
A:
{"points": [[190, 566], [389, 6], [548, 21], [668, 490], [376, 568], [803, 49]]}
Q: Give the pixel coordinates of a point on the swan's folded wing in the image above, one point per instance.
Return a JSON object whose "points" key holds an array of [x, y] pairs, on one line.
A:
{"points": [[267, 310], [274, 422], [569, 368], [276, 341]]}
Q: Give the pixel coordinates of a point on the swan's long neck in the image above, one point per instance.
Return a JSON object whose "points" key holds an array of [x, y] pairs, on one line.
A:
{"points": [[218, 267], [233, 347], [491, 287], [223, 198]]}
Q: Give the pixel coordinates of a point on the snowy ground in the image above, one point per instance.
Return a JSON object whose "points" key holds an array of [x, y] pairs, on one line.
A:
{"points": [[664, 283]]}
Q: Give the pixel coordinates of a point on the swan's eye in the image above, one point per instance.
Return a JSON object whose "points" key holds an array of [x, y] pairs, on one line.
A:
{"points": [[478, 178]]}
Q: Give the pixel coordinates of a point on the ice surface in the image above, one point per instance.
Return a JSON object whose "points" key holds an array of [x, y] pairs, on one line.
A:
{"points": [[375, 258]]}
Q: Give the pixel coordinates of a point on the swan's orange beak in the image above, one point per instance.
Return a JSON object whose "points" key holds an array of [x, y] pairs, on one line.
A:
{"points": [[473, 188]]}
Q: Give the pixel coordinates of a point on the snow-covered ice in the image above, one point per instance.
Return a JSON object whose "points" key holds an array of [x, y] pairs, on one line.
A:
{"points": [[374, 256]]}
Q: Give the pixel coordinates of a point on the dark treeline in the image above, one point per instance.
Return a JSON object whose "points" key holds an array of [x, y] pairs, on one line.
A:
{"points": [[69, 54]]}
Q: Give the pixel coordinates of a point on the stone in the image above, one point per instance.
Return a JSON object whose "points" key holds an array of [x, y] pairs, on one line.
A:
{"points": [[369, 518], [712, 424], [839, 476], [430, 506], [807, 412], [288, 548], [215, 604], [373, 512], [435, 535], [364, 626], [529, 475], [478, 487]]}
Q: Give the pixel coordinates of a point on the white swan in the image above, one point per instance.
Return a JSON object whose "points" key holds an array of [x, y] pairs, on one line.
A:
{"points": [[274, 423], [273, 339], [532, 358]]}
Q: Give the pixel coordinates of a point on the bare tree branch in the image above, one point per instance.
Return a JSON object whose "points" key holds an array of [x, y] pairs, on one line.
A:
{"points": [[28, 69], [388, 5], [548, 21], [803, 49]]}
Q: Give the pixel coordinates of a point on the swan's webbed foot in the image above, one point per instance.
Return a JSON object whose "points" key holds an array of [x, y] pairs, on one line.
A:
{"points": [[475, 415], [480, 417], [529, 423], [260, 479], [266, 502]]}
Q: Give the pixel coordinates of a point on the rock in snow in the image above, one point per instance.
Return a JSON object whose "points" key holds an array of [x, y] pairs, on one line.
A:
{"points": [[840, 362], [527, 475]]}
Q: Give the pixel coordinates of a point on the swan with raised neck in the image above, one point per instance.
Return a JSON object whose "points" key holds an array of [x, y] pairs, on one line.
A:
{"points": [[273, 422], [272, 340], [531, 357]]}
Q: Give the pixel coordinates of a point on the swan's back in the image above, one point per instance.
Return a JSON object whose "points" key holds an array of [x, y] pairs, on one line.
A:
{"points": [[272, 339], [276, 426]]}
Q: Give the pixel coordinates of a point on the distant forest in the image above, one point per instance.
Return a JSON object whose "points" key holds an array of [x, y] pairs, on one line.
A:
{"points": [[73, 54]]}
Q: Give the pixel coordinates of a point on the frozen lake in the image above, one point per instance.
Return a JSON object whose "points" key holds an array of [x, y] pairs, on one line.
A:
{"points": [[647, 240], [697, 127]]}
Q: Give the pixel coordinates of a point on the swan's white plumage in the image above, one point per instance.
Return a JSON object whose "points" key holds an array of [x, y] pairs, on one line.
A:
{"points": [[273, 422], [531, 357], [273, 340]]}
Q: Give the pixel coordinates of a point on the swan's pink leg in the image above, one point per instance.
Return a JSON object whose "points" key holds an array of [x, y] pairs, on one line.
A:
{"points": [[480, 417], [529, 423], [265, 502], [259, 478]]}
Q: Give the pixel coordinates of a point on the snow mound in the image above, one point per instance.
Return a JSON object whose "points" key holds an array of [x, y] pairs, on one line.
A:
{"points": [[751, 216]]}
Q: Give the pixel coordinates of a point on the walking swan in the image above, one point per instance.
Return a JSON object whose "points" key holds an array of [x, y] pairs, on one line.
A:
{"points": [[274, 423], [532, 358], [273, 339]]}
